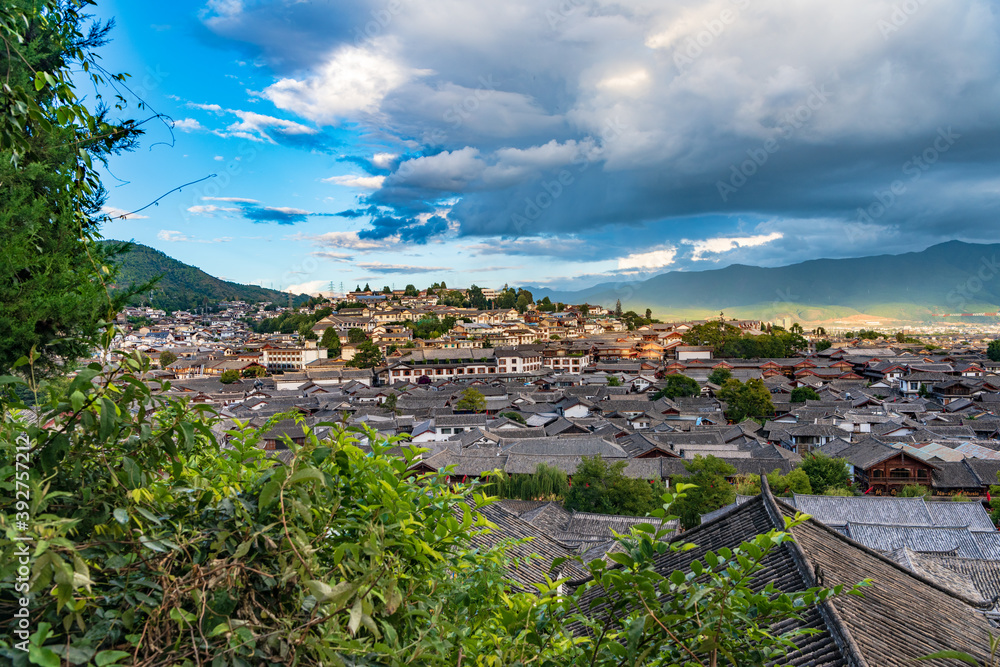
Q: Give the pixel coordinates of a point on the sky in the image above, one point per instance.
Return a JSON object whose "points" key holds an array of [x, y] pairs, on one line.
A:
{"points": [[556, 143]]}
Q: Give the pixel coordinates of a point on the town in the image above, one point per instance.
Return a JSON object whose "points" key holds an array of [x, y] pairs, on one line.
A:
{"points": [[531, 389]]}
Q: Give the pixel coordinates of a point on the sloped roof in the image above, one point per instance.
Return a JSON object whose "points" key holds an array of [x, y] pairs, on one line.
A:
{"points": [[940, 539]]}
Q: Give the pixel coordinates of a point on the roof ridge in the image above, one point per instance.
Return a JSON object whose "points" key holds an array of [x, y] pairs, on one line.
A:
{"points": [[839, 631], [885, 559]]}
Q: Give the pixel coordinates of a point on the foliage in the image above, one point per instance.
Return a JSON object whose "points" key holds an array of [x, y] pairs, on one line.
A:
{"points": [[823, 345], [161, 547], [229, 376], [824, 472], [708, 475], [292, 321], [730, 341], [524, 300], [546, 483], [430, 326], [180, 286], [602, 487], [992, 661], [993, 350], [678, 385], [719, 376], [410, 290], [839, 491], [55, 276], [960, 498], [614, 381], [796, 481], [914, 491], [166, 358], [750, 400], [355, 336], [513, 416], [255, 371], [330, 341], [803, 394], [471, 400], [368, 355], [452, 298]]}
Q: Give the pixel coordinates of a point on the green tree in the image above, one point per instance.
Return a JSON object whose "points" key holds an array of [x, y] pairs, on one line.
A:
{"points": [[524, 300], [993, 350], [546, 483], [719, 376], [803, 394], [386, 290], [712, 491], [618, 308], [649, 314], [823, 345], [355, 336], [602, 487], [750, 400], [331, 342], [390, 403], [229, 376], [55, 277], [678, 385], [796, 481], [513, 416], [166, 358], [825, 472], [819, 331], [410, 290], [307, 333], [471, 400], [368, 355], [914, 491], [254, 372], [367, 288], [585, 310], [614, 381]]}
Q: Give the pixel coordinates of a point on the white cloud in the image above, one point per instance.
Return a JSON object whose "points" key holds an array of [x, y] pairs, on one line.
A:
{"points": [[205, 107], [174, 236], [334, 256], [727, 243], [352, 80], [211, 209], [308, 287], [187, 125], [120, 213], [384, 160], [379, 267], [354, 181], [218, 158], [654, 259], [239, 200], [256, 127], [348, 240]]}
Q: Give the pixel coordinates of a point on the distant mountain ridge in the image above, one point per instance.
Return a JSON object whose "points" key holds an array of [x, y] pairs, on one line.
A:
{"points": [[181, 286], [951, 277]]}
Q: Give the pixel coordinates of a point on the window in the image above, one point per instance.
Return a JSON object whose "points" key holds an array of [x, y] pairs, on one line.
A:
{"points": [[922, 474], [899, 473], [878, 474]]}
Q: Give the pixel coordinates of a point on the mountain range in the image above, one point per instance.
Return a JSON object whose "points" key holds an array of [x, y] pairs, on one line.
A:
{"points": [[183, 287], [952, 277]]}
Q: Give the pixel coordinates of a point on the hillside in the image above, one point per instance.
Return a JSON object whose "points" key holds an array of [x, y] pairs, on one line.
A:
{"points": [[952, 277], [181, 286]]}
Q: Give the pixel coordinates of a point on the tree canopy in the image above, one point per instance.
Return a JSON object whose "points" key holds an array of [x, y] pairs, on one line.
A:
{"points": [[750, 400], [825, 473], [602, 487], [711, 491], [677, 385], [471, 400]]}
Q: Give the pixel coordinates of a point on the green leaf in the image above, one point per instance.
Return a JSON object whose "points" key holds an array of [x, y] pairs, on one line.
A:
{"points": [[109, 657], [46, 657], [355, 621], [307, 474], [267, 493], [121, 516], [77, 400], [951, 655]]}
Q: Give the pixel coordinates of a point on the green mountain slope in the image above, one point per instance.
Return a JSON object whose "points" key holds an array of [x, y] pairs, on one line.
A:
{"points": [[952, 277], [181, 286]]}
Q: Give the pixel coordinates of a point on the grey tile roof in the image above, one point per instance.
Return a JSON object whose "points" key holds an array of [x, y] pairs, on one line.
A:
{"points": [[941, 539]]}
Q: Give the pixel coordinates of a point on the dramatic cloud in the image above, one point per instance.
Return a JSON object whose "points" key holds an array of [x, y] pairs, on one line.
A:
{"points": [[654, 259], [654, 122], [725, 244], [253, 210], [346, 240]]}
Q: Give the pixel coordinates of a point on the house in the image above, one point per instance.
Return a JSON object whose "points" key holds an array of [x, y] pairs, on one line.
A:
{"points": [[899, 619], [883, 470]]}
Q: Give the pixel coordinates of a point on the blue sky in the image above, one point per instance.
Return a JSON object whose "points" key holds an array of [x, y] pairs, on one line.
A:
{"points": [[557, 143]]}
